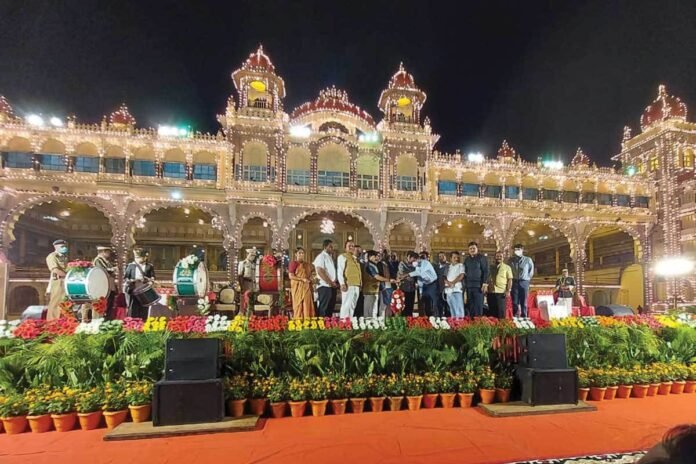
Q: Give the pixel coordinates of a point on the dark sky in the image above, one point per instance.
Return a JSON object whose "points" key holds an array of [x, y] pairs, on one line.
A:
{"points": [[548, 76]]}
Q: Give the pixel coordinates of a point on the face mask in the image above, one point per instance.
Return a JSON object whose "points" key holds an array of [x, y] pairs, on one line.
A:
{"points": [[63, 250], [518, 252]]}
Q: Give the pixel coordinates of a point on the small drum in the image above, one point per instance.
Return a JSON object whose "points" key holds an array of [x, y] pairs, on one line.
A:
{"points": [[86, 284], [191, 282], [145, 294]]}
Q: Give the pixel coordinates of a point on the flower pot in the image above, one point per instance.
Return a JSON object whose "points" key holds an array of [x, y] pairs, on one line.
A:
{"points": [[319, 407], [414, 402], [395, 403], [582, 394], [338, 407], [690, 386], [64, 422], [429, 400], [465, 399], [2, 427], [140, 413], [597, 393], [447, 400], [640, 391], [258, 406], [624, 391], [357, 405], [678, 387], [297, 408], [236, 407], [376, 403], [664, 388], [610, 394], [487, 395], [40, 424], [278, 409], [652, 389], [14, 425], [114, 418], [502, 395], [89, 420]]}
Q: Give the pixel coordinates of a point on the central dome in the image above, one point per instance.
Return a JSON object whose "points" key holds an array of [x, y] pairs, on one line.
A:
{"points": [[333, 100], [663, 108]]}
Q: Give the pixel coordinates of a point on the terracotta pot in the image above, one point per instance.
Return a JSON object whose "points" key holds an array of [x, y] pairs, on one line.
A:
{"points": [[357, 405], [297, 408], [610, 394], [64, 422], [40, 424], [447, 400], [652, 389], [2, 427], [89, 420], [678, 387], [258, 406], [114, 418], [465, 399], [236, 407], [395, 403], [140, 413], [487, 395], [640, 391], [664, 388], [690, 386], [582, 394], [319, 407], [429, 400], [14, 425], [502, 395], [376, 403], [624, 391], [338, 407], [414, 402], [597, 393], [278, 409]]}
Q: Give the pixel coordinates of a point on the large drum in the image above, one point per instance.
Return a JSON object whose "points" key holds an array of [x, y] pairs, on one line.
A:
{"points": [[145, 294], [85, 284], [191, 282]]}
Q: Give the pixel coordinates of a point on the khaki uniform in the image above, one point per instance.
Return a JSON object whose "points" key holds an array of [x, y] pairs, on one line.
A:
{"points": [[56, 286], [247, 276]]}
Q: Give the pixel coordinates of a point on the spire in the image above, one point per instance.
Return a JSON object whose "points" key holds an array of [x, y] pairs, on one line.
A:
{"points": [[580, 159]]}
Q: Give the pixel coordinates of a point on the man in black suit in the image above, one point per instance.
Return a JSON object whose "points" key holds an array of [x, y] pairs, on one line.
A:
{"points": [[138, 272]]}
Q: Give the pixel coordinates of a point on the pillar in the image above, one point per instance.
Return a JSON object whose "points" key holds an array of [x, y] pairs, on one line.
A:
{"points": [[22, 247], [4, 287], [558, 261], [590, 241]]}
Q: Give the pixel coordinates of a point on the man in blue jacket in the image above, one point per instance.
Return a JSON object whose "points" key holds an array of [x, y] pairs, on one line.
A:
{"points": [[476, 279]]}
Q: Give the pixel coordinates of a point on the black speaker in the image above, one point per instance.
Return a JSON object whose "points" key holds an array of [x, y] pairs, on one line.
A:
{"points": [[613, 310], [543, 351], [548, 386], [177, 402], [192, 359]]}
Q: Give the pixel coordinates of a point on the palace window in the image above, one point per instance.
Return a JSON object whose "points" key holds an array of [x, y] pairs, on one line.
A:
{"points": [[688, 159], [512, 192], [144, 168], [530, 194], [604, 199], [407, 183], [205, 172], [642, 202], [333, 179], [623, 200], [588, 197], [254, 173], [368, 182], [492, 191], [654, 163], [447, 187], [551, 195], [18, 160], [86, 164], [174, 170], [115, 165], [52, 162], [298, 177], [570, 196]]}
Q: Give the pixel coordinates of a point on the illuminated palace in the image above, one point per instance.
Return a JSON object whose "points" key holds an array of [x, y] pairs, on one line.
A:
{"points": [[274, 179]]}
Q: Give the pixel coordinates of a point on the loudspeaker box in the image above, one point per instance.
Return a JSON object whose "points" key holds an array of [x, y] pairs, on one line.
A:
{"points": [[192, 359], [548, 386], [177, 402], [613, 310], [543, 351]]}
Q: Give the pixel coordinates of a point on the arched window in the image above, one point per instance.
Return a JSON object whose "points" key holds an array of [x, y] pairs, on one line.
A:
{"points": [[407, 174], [333, 166], [368, 172], [254, 159], [298, 166]]}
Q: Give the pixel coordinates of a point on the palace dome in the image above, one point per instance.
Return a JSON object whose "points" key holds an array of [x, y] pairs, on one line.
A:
{"points": [[259, 61], [402, 79], [506, 152], [663, 108], [580, 158], [332, 99], [122, 117]]}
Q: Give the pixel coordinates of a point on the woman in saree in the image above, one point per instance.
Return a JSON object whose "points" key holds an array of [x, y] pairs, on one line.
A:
{"points": [[301, 291]]}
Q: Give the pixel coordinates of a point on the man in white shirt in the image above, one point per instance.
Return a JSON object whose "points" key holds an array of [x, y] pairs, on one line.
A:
{"points": [[453, 285], [326, 273], [350, 277], [427, 281]]}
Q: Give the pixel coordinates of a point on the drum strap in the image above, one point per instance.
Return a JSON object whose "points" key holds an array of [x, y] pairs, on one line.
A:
{"points": [[142, 271]]}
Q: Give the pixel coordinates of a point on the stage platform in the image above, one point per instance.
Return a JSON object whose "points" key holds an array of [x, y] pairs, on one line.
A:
{"points": [[518, 408], [143, 430]]}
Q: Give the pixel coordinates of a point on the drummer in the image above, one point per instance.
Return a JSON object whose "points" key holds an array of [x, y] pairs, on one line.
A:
{"points": [[103, 260], [246, 273], [139, 270], [56, 262]]}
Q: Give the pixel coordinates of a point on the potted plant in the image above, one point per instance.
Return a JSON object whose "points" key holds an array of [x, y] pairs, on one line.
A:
{"points": [[467, 383], [13, 412], [626, 380], [318, 393], [431, 388], [37, 409], [88, 407], [395, 391], [413, 389], [236, 394], [598, 384], [679, 374], [666, 376], [486, 385], [115, 404], [641, 382], [612, 383], [297, 392], [583, 384], [260, 387], [653, 379], [139, 397], [448, 389], [690, 385], [338, 394], [357, 390], [377, 386], [278, 396], [503, 387], [62, 408]]}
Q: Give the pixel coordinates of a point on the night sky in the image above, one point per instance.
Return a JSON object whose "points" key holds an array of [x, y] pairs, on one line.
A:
{"points": [[548, 76]]}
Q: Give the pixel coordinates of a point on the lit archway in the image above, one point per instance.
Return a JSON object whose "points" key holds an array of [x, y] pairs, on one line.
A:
{"points": [[455, 234], [548, 247], [403, 236], [313, 229]]}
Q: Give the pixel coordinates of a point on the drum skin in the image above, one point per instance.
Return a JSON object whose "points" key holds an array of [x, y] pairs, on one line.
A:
{"points": [[86, 284], [191, 282], [146, 295]]}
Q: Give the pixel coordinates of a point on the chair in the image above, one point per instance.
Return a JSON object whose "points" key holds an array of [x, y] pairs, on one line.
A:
{"points": [[580, 307], [227, 300]]}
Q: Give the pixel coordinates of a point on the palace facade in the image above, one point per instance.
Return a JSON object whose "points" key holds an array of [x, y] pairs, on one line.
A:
{"points": [[278, 179]]}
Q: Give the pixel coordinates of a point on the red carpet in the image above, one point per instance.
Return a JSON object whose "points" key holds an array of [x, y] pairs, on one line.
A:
{"points": [[428, 436]]}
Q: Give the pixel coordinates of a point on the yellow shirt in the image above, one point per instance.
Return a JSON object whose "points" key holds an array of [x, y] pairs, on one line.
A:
{"points": [[500, 278]]}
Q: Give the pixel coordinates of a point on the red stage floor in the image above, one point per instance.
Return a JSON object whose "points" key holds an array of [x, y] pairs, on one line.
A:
{"points": [[428, 436]]}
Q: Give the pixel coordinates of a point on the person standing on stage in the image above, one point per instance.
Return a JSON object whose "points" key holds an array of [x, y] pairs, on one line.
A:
{"points": [[246, 272], [499, 288], [103, 260], [522, 272], [350, 277], [407, 283], [427, 282], [300, 273], [453, 285], [372, 283], [326, 272], [442, 269], [386, 289], [476, 272], [56, 262], [565, 287], [139, 271], [362, 260]]}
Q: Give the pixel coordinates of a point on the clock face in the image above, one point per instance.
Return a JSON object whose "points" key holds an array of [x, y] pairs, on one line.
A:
{"points": [[258, 86], [403, 101]]}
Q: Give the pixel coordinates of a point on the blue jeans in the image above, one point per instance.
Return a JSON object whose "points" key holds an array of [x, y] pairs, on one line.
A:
{"points": [[519, 292], [455, 300]]}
